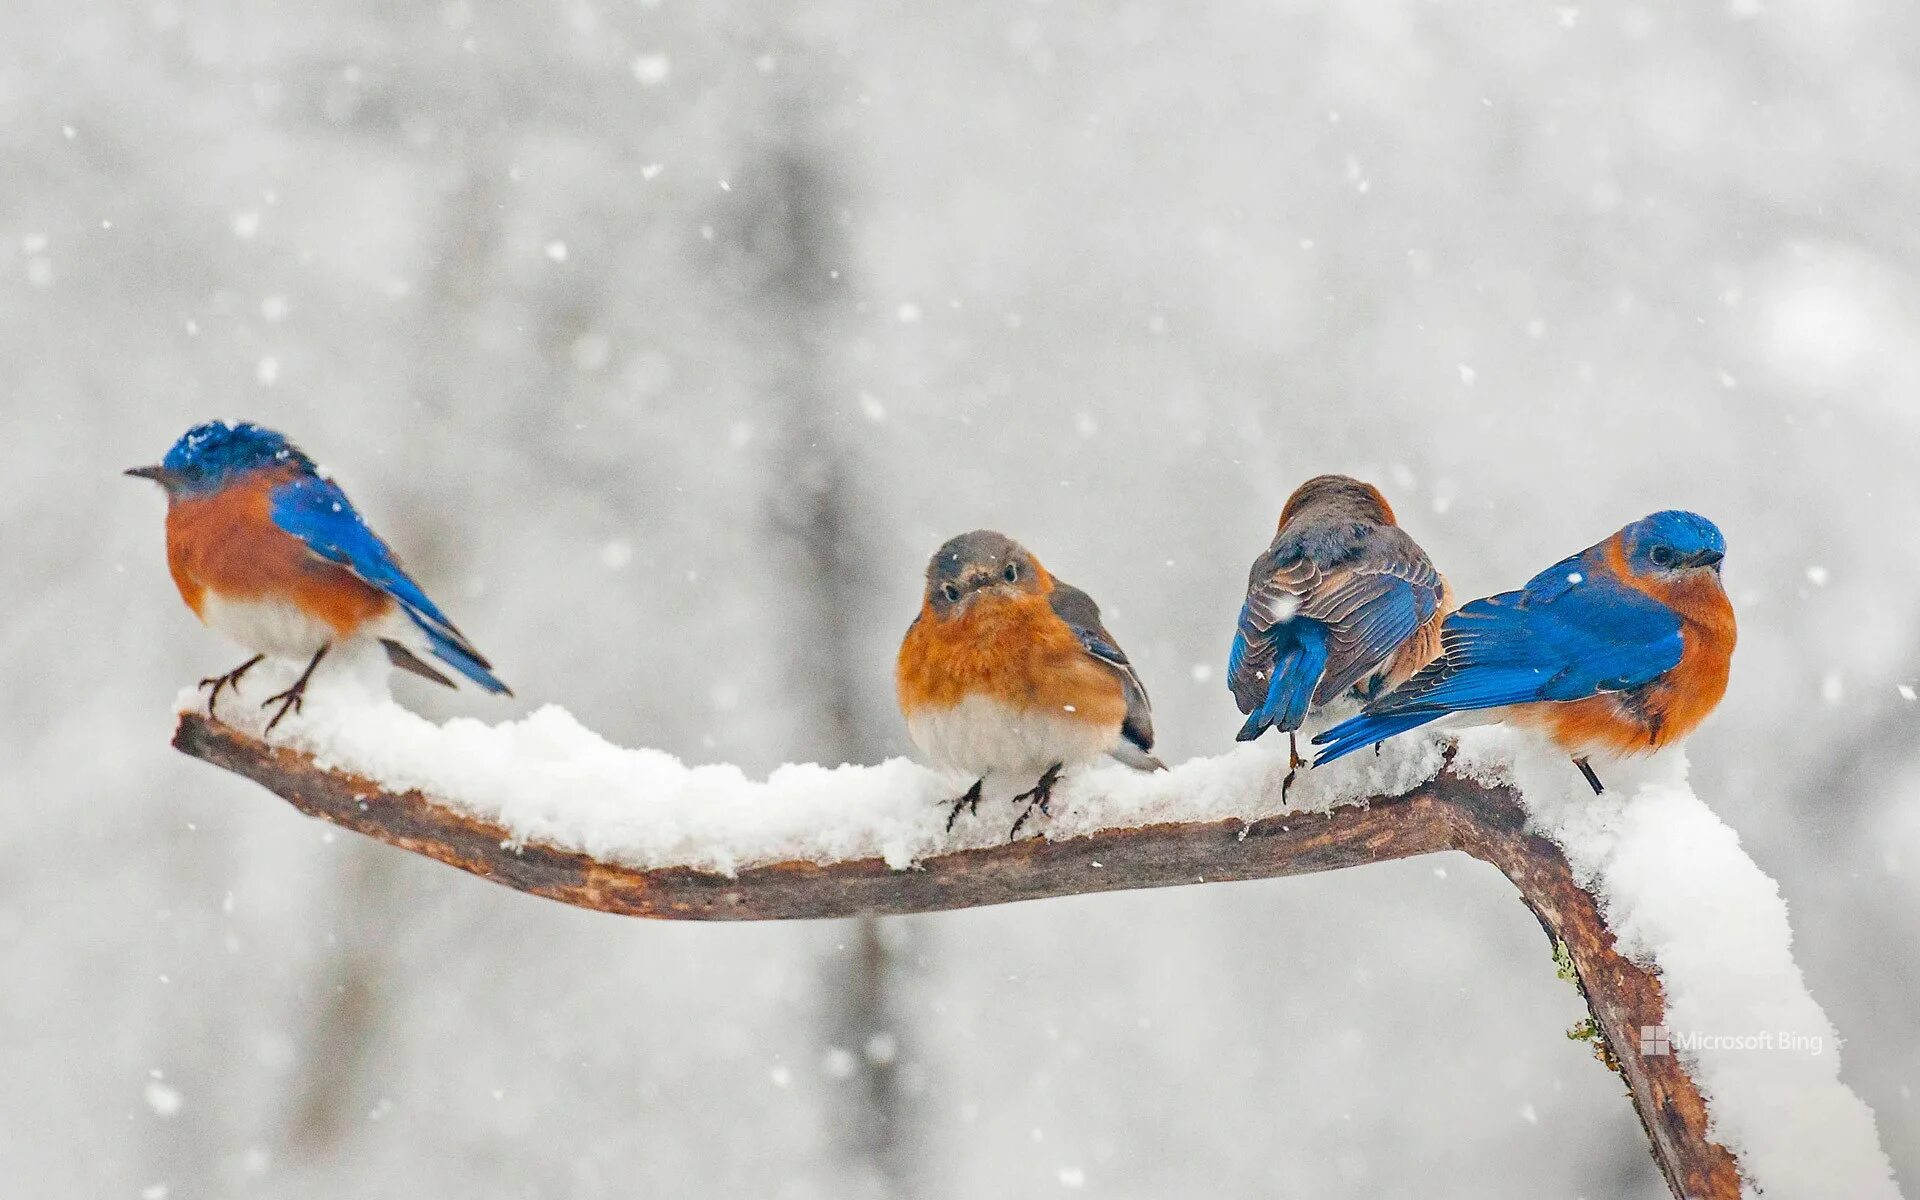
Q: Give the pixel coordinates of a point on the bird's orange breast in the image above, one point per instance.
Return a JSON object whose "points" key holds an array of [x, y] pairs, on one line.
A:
{"points": [[1015, 650], [226, 544], [1693, 689]]}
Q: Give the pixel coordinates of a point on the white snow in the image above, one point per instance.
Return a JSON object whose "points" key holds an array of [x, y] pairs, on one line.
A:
{"points": [[547, 778], [1679, 893], [1683, 898], [165, 1101], [652, 70]]}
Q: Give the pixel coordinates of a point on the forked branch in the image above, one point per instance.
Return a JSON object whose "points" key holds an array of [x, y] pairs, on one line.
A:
{"points": [[1449, 812]]}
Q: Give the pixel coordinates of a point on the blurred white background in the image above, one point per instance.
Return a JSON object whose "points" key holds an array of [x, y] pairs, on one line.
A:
{"points": [[666, 340]]}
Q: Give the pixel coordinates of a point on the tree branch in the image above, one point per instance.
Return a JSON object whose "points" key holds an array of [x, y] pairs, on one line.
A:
{"points": [[1449, 812]]}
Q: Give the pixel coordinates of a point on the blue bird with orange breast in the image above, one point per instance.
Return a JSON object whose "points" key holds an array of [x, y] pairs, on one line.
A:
{"points": [[1009, 672], [1621, 649], [267, 550], [1342, 600]]}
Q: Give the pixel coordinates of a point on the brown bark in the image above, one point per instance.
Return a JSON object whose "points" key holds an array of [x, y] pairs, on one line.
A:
{"points": [[1450, 812]]}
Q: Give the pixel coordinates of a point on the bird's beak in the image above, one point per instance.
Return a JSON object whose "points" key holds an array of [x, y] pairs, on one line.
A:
{"points": [[1709, 558], [160, 475]]}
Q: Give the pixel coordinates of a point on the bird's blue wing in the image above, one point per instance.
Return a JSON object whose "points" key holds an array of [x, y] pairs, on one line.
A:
{"points": [[1359, 732], [1266, 620], [1082, 616], [1289, 662], [1325, 607], [1380, 610], [1554, 582], [1597, 636], [1272, 675], [315, 510]]}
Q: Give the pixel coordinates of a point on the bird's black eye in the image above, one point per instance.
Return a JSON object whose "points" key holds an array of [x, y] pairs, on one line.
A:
{"points": [[1012, 573], [1662, 556], [951, 592]]}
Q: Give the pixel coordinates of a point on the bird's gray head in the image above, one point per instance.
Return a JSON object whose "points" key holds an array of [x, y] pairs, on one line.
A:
{"points": [[981, 563], [1338, 497]]}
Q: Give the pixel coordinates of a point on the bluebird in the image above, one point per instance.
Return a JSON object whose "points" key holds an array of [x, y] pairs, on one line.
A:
{"points": [[1008, 671], [1342, 600], [1621, 649], [269, 551]]}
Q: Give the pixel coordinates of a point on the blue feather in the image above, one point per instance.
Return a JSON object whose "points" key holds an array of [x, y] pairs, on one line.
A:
{"points": [[1335, 596], [1238, 654], [1574, 631], [1374, 631], [456, 653], [1296, 672], [1359, 732], [214, 453], [315, 510]]}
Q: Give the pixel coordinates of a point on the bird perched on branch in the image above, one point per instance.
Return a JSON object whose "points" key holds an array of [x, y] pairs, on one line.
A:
{"points": [[1620, 649], [1008, 671], [1342, 599], [267, 550]]}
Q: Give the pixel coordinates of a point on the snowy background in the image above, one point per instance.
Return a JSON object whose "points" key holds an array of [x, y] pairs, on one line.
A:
{"points": [[666, 342]]}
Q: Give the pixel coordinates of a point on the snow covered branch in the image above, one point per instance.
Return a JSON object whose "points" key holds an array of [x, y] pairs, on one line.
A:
{"points": [[1446, 811], [1680, 944]]}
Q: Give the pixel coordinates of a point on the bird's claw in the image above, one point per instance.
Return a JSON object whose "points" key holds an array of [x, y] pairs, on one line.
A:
{"points": [[970, 801], [290, 700], [230, 681], [1294, 763], [1593, 780], [293, 699], [1037, 797]]}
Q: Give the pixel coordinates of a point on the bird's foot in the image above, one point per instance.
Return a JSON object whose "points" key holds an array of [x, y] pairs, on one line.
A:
{"points": [[289, 701], [1294, 762], [1036, 797], [292, 700], [970, 802], [230, 681], [1593, 781]]}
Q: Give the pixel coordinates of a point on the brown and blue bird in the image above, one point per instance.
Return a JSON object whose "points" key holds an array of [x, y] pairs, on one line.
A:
{"points": [[1619, 650], [1343, 601], [1008, 672], [267, 549]]}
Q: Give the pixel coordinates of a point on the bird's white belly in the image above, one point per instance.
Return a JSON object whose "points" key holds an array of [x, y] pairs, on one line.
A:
{"points": [[271, 627], [981, 737]]}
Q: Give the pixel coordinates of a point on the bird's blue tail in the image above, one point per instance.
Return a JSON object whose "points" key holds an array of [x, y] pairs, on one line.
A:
{"points": [[1296, 672], [1358, 732], [454, 650]]}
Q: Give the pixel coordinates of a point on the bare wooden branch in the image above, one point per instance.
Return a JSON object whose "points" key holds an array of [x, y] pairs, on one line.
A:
{"points": [[1450, 812]]}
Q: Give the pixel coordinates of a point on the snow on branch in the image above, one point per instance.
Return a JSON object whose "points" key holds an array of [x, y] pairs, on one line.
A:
{"points": [[1677, 940]]}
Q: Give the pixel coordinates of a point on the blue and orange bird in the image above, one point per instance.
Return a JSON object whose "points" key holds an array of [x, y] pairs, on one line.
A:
{"points": [[1342, 600], [267, 550], [1008, 672], [1621, 649]]}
